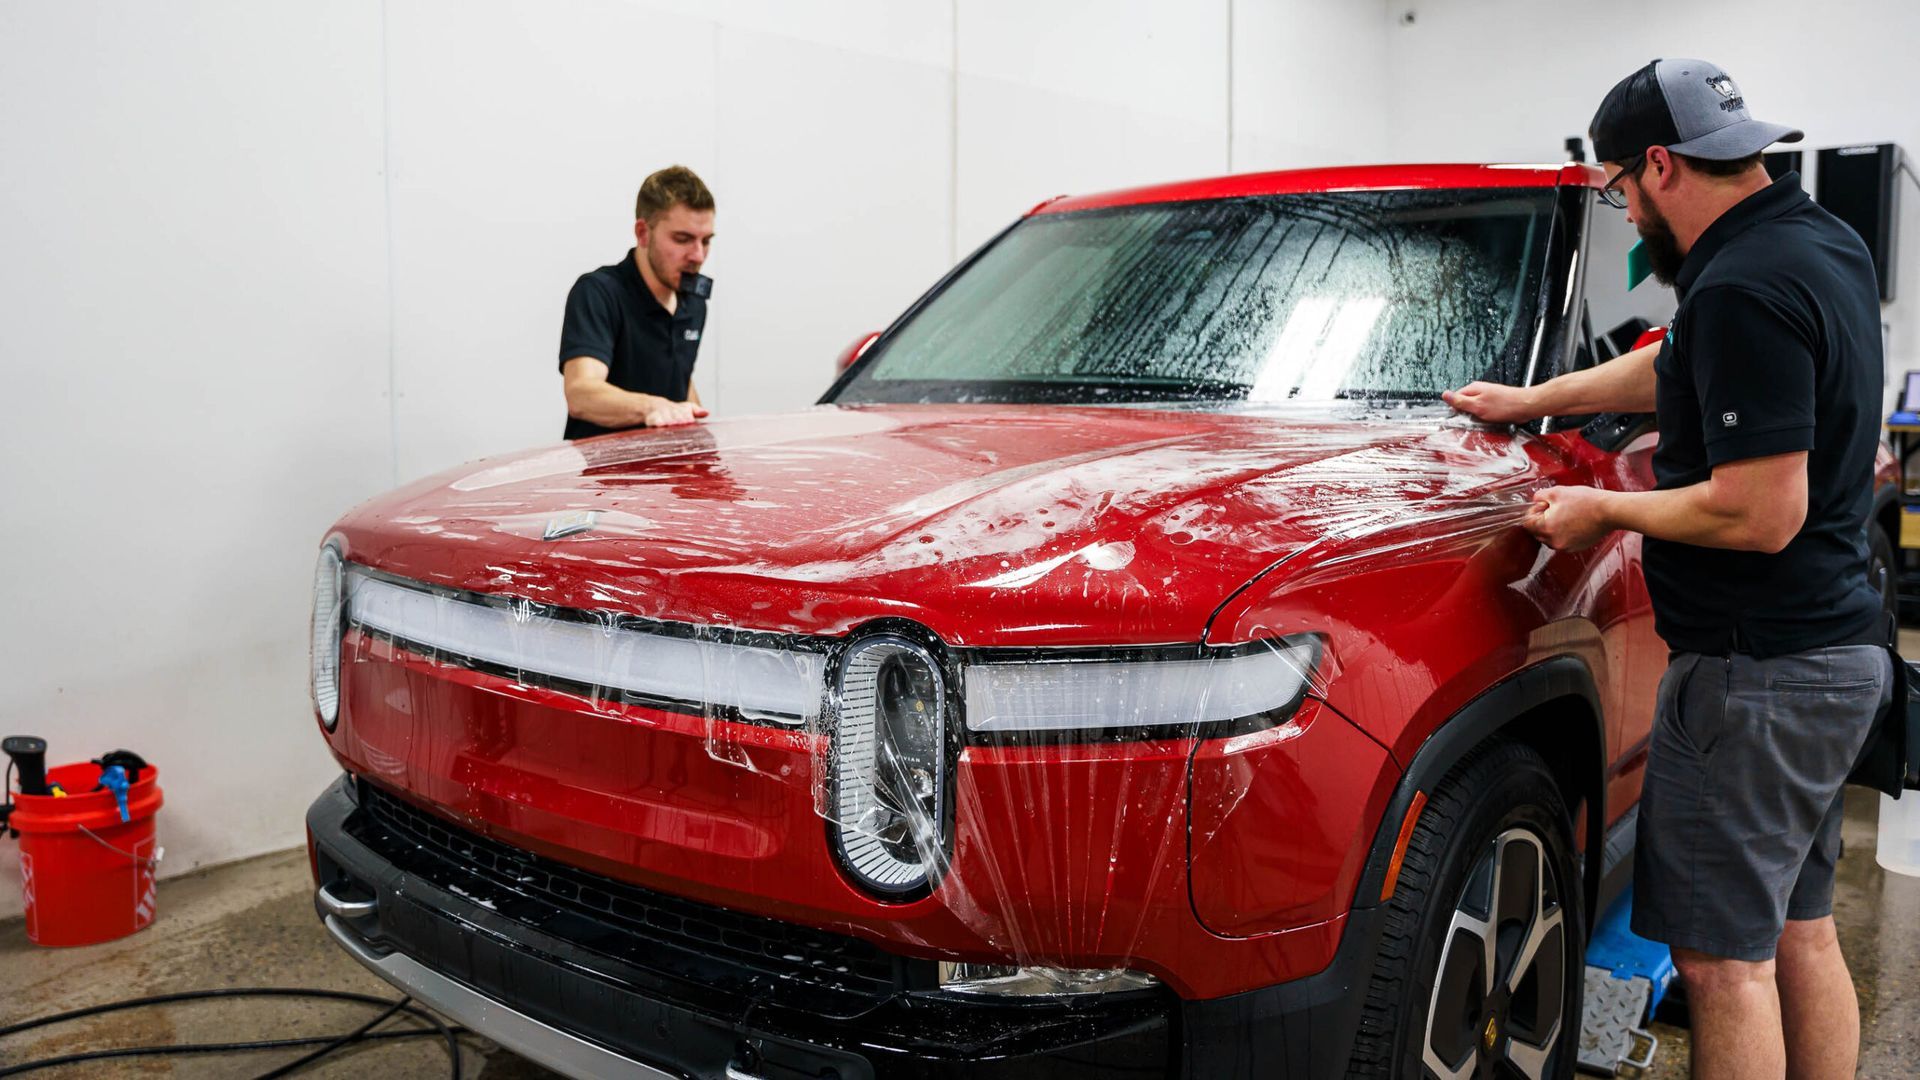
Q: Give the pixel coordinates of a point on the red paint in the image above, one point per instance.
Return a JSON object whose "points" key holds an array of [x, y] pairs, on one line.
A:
{"points": [[1320, 776], [1077, 856], [1094, 837], [817, 522], [1341, 178], [1426, 611]]}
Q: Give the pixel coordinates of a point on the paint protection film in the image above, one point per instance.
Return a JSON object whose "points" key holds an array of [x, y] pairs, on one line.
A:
{"points": [[1047, 696]]}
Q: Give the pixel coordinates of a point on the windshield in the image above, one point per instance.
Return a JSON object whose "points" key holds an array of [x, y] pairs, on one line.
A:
{"points": [[1390, 295]]}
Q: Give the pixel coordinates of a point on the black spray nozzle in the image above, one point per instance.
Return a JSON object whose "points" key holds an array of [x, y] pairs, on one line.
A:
{"points": [[29, 756], [126, 759], [699, 285]]}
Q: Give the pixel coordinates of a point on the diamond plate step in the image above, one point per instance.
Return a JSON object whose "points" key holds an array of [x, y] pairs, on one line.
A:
{"points": [[1610, 1025]]}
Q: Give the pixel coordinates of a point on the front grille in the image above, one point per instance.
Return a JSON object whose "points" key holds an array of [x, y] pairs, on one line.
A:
{"points": [[704, 946]]}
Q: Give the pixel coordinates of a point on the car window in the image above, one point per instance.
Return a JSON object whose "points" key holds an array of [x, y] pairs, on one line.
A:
{"points": [[1317, 297], [1616, 315]]}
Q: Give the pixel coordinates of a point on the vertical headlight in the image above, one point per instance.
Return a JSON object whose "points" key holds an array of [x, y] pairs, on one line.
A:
{"points": [[887, 803], [328, 605]]}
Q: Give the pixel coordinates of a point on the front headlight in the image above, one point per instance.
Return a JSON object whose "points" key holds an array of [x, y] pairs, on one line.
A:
{"points": [[328, 603], [1185, 692], [888, 799]]}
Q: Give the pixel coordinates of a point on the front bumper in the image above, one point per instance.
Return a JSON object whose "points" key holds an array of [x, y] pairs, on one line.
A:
{"points": [[593, 997], [589, 990], [550, 1046]]}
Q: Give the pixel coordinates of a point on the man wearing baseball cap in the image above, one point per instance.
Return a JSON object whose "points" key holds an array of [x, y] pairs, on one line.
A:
{"points": [[1767, 390]]}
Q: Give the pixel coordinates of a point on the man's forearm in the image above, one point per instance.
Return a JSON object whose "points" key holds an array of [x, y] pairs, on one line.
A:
{"points": [[1624, 384], [608, 406], [1692, 515]]}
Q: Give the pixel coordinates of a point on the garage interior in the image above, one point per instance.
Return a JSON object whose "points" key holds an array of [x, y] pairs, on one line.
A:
{"points": [[271, 260]]}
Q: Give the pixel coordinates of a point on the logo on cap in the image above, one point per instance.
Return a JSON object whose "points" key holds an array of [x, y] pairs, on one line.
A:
{"points": [[1723, 85]]}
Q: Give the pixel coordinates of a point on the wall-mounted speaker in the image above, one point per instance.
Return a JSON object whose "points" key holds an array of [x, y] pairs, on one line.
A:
{"points": [[1860, 186]]}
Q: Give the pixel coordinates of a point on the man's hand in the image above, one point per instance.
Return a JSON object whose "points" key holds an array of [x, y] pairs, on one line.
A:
{"points": [[659, 412], [1493, 403], [1568, 518], [1624, 384]]}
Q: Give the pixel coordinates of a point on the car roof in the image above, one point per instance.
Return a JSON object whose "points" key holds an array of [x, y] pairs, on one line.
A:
{"points": [[1338, 178]]}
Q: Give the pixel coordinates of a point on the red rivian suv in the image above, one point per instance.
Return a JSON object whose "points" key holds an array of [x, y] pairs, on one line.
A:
{"points": [[1128, 668]]}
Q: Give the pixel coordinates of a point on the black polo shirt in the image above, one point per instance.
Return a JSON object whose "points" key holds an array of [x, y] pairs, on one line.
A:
{"points": [[1775, 348], [612, 317]]}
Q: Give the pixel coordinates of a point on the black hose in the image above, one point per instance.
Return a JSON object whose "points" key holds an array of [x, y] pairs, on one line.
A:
{"points": [[189, 995], [200, 1048], [333, 1042], [352, 1036]]}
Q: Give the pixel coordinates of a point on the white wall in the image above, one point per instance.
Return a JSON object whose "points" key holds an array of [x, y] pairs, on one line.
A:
{"points": [[1509, 79], [1310, 84], [1082, 95], [263, 260], [194, 337]]}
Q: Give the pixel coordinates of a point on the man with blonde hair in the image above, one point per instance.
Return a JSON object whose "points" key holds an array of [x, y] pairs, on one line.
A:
{"points": [[632, 329]]}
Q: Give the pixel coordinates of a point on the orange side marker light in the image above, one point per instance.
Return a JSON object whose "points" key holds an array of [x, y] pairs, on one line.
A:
{"points": [[1400, 845]]}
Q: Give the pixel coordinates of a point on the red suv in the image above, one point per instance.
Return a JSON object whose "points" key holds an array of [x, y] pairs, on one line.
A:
{"points": [[1129, 668]]}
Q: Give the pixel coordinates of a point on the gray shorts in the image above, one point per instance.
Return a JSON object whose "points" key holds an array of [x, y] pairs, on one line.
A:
{"points": [[1740, 817]]}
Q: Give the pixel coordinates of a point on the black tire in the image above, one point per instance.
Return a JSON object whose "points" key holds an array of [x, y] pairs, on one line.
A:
{"points": [[1500, 802], [1883, 568]]}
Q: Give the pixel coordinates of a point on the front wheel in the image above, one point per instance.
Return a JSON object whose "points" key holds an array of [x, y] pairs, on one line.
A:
{"points": [[1481, 963]]}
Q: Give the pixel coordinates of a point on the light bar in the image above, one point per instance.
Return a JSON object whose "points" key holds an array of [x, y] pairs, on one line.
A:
{"points": [[762, 683], [1094, 694]]}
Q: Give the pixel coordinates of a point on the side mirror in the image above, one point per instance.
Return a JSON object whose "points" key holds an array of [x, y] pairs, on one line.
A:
{"points": [[854, 351]]}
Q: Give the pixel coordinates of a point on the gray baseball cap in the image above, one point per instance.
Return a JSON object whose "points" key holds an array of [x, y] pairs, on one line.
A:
{"points": [[1688, 106]]}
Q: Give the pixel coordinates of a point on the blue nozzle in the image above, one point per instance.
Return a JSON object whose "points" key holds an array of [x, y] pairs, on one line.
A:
{"points": [[114, 779]]}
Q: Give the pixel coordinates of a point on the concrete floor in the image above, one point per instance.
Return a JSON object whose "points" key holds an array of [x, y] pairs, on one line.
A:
{"points": [[244, 924], [252, 924]]}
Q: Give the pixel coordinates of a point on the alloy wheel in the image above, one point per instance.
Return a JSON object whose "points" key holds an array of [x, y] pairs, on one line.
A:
{"points": [[1500, 989]]}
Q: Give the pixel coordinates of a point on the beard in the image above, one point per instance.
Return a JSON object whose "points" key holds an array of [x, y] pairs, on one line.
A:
{"points": [[1664, 256], [663, 270]]}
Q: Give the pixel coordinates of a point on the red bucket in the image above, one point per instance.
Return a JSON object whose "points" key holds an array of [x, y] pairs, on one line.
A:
{"points": [[88, 875]]}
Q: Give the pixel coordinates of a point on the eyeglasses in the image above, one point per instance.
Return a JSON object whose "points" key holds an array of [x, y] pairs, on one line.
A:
{"points": [[1613, 194]]}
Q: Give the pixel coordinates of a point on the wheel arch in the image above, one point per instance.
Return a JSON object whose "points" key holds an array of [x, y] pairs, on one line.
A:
{"points": [[1552, 707]]}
